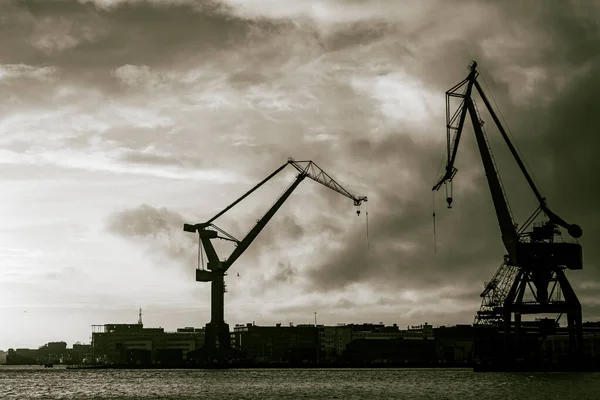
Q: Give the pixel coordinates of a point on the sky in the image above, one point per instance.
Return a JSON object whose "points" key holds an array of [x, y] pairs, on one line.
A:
{"points": [[120, 120]]}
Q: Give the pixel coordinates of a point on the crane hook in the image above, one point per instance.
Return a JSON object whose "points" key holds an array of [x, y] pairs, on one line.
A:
{"points": [[449, 201], [449, 194]]}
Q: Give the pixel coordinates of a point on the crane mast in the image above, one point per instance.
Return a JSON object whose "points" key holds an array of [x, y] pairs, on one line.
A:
{"points": [[217, 340], [535, 259]]}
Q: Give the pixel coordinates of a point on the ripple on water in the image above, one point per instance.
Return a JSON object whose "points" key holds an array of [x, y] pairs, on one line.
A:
{"points": [[370, 384]]}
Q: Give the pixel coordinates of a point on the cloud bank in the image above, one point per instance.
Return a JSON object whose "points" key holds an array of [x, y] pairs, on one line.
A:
{"points": [[184, 105]]}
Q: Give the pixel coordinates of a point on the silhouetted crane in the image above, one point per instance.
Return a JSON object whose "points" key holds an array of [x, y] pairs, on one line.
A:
{"points": [[217, 337], [536, 259]]}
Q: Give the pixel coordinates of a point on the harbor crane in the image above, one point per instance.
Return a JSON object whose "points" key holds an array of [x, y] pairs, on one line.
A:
{"points": [[536, 258], [217, 338]]}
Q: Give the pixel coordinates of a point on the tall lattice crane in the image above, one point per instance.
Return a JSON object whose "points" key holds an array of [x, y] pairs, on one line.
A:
{"points": [[217, 340], [536, 258]]}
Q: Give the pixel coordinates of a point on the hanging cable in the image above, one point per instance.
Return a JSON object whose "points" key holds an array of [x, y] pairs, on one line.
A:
{"points": [[433, 204], [367, 218], [434, 235], [200, 254], [449, 193]]}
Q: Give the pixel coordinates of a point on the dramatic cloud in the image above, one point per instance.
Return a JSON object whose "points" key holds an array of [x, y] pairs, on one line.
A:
{"points": [[145, 114], [157, 229]]}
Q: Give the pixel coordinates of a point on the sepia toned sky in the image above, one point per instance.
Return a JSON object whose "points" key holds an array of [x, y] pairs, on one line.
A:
{"points": [[122, 119]]}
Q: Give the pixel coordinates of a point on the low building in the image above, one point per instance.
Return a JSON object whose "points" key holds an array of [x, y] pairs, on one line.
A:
{"points": [[134, 344], [541, 340], [333, 341], [22, 356], [454, 344], [81, 353], [418, 332], [52, 352], [317, 343], [277, 344], [556, 347]]}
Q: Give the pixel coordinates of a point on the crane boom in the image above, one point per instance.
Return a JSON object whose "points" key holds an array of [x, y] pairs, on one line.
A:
{"points": [[507, 227], [314, 172], [239, 250]]}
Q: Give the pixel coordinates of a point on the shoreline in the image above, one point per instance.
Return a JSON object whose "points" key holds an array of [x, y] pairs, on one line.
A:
{"points": [[271, 366]]}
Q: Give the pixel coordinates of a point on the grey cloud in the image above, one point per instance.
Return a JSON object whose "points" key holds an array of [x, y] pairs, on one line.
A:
{"points": [[22, 85], [309, 68], [8, 71], [337, 308], [401, 233], [130, 33], [285, 273], [144, 221], [281, 230], [150, 158], [264, 47], [345, 303], [572, 144], [158, 228], [469, 248]]}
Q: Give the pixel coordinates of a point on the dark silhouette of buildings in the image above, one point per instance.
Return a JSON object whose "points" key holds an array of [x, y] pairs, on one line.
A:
{"points": [[343, 344], [278, 344], [454, 345], [395, 351], [349, 345], [544, 346], [50, 353], [134, 344]]}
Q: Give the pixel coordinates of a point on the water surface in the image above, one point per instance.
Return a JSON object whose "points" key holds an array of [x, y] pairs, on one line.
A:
{"points": [[368, 384]]}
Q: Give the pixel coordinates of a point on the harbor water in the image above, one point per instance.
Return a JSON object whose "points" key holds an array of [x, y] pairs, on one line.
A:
{"points": [[370, 384]]}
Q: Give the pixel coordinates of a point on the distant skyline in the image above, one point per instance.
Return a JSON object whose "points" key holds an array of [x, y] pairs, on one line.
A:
{"points": [[120, 120]]}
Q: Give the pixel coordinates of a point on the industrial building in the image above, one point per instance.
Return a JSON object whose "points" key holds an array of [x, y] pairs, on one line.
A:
{"points": [[277, 344], [326, 344], [134, 344]]}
